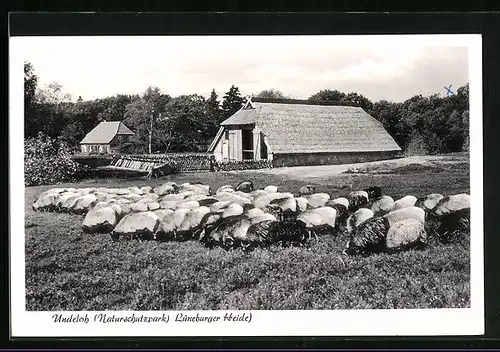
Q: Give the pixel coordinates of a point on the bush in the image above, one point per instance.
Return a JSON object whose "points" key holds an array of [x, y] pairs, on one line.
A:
{"points": [[242, 165], [48, 161]]}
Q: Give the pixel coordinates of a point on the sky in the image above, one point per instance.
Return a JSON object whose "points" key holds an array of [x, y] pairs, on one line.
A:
{"points": [[392, 68]]}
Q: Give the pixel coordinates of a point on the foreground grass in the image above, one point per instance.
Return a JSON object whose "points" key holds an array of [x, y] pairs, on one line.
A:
{"points": [[69, 270]]}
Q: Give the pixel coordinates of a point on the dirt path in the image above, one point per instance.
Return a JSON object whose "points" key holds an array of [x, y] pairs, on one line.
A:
{"points": [[302, 172]]}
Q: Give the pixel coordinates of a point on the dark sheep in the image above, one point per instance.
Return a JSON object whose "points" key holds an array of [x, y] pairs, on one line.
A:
{"points": [[342, 214], [245, 186], [373, 192], [306, 190], [369, 237], [358, 200]]}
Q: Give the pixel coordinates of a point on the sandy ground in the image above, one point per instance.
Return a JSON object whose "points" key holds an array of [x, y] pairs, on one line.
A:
{"points": [[302, 172]]}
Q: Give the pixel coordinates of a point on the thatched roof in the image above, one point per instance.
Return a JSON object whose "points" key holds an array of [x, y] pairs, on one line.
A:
{"points": [[300, 127], [104, 132]]}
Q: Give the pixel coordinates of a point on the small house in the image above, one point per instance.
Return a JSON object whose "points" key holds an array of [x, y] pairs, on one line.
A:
{"points": [[108, 137], [301, 132]]}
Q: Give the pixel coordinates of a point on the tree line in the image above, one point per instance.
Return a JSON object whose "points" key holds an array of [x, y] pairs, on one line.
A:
{"points": [[188, 123]]}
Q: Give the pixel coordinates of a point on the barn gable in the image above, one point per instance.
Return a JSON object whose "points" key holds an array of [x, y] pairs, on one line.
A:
{"points": [[303, 127]]}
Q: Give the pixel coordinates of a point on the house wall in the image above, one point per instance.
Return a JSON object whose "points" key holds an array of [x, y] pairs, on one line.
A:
{"points": [[304, 159], [95, 148]]}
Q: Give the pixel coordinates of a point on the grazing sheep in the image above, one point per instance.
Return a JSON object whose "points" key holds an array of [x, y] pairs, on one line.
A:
{"points": [[245, 186], [429, 202], [359, 216], [166, 188], [406, 201], [250, 213], [167, 229], [452, 204], [264, 200], [306, 190], [271, 189], [207, 201], [219, 206], [369, 237], [161, 213], [302, 203], [405, 214], [191, 222], [317, 200], [153, 206], [406, 234], [283, 208], [316, 220], [195, 188], [341, 200], [225, 188], [357, 200], [209, 222], [233, 198], [374, 192], [101, 220], [232, 210], [136, 225], [168, 204], [191, 204], [382, 205], [342, 214], [450, 219]]}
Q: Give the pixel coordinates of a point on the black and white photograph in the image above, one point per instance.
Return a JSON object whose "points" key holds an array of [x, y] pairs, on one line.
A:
{"points": [[205, 180]]}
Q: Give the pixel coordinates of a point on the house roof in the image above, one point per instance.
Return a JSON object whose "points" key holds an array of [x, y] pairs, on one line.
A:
{"points": [[313, 128], [241, 117], [104, 132]]}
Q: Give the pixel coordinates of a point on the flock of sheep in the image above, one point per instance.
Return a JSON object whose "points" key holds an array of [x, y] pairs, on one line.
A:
{"points": [[245, 218]]}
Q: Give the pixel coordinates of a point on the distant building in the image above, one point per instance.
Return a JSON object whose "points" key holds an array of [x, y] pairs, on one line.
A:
{"points": [[106, 138], [301, 132]]}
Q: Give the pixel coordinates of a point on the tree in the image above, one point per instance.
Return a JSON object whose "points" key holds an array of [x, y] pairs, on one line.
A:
{"points": [[328, 95], [30, 114], [231, 102], [113, 108], [360, 100], [271, 94], [142, 113], [30, 84], [185, 126], [53, 94]]}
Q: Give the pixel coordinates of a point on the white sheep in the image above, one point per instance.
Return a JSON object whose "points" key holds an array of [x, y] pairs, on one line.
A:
{"points": [[342, 201], [406, 234], [359, 216], [317, 200], [317, 219], [429, 202], [232, 210], [406, 201], [405, 214], [271, 189], [382, 205]]}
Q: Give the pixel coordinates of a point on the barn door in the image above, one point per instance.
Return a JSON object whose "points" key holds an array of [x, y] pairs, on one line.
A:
{"points": [[235, 151]]}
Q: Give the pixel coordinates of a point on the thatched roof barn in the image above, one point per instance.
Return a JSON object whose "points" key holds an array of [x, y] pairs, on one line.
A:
{"points": [[301, 132], [106, 137]]}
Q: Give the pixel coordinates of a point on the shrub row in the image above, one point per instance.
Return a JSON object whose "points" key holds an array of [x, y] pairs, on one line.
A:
{"points": [[242, 165]]}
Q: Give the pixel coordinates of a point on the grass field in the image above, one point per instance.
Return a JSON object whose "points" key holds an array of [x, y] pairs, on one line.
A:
{"points": [[69, 270]]}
